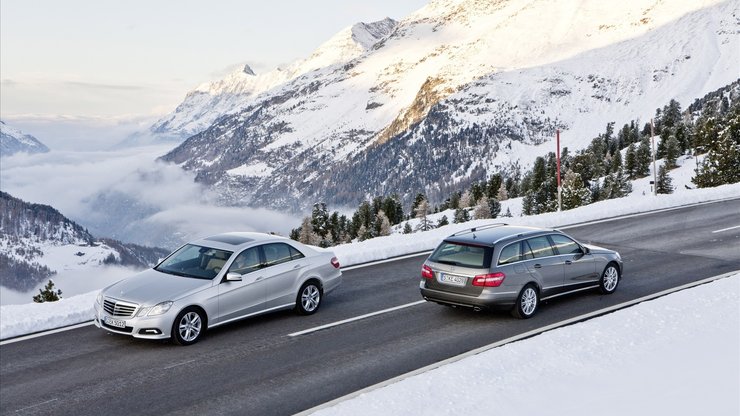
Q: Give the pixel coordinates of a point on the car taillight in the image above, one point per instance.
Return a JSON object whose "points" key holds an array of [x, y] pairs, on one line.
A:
{"points": [[335, 262], [426, 272], [489, 280]]}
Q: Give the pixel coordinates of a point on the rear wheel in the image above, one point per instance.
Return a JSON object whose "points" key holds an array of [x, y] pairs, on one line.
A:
{"points": [[526, 303], [188, 326], [309, 298], [609, 279]]}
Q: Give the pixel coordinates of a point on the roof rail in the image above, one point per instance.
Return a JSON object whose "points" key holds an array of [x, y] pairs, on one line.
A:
{"points": [[483, 227]]}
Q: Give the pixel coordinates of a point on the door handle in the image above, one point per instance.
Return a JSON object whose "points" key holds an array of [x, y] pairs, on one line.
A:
{"points": [[537, 266], [259, 278], [568, 262], [297, 266]]}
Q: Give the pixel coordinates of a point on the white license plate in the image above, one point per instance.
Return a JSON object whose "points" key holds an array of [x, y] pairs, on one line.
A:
{"points": [[452, 279], [118, 323]]}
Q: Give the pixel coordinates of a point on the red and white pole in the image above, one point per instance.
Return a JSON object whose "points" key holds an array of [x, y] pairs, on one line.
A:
{"points": [[560, 189]]}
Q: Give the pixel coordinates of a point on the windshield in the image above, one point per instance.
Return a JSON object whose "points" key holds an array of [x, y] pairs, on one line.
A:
{"points": [[458, 254], [195, 261]]}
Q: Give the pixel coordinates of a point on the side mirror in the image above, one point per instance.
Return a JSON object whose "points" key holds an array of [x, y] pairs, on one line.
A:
{"points": [[585, 250], [233, 277]]}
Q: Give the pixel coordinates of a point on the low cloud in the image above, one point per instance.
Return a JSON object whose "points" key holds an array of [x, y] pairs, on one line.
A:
{"points": [[130, 196]]}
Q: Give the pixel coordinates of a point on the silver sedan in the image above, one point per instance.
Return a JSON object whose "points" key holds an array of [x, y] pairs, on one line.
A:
{"points": [[217, 280]]}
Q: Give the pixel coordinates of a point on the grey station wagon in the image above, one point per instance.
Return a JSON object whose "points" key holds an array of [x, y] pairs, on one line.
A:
{"points": [[510, 267], [217, 280]]}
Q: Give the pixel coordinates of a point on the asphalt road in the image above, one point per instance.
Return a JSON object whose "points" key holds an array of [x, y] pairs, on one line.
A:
{"points": [[254, 368]]}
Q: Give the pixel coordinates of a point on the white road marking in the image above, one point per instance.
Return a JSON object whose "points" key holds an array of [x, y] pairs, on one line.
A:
{"points": [[356, 318], [179, 364], [49, 332], [35, 405], [725, 229]]}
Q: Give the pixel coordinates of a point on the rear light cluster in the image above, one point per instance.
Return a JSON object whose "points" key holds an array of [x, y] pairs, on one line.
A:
{"points": [[489, 280], [335, 262], [426, 272]]}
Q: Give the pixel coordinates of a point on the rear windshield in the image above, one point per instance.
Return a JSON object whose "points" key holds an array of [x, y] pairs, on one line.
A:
{"points": [[458, 254]]}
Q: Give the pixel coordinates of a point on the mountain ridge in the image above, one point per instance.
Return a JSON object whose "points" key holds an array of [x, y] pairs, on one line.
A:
{"points": [[430, 79]]}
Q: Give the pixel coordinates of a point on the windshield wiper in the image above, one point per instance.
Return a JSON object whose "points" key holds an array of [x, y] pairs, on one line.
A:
{"points": [[174, 272], [453, 263]]}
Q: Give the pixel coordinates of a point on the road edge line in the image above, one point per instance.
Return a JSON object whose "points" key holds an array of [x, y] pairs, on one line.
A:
{"points": [[529, 334]]}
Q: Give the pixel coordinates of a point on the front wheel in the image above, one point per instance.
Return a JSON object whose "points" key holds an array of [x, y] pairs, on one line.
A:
{"points": [[609, 279], [526, 303], [188, 326], [309, 298]]}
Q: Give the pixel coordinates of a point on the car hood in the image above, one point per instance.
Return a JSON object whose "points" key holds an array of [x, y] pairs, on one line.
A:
{"points": [[598, 250], [151, 287]]}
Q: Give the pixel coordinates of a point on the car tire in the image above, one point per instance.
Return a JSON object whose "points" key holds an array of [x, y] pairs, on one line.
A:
{"points": [[526, 303], [189, 326], [309, 298], [609, 279]]}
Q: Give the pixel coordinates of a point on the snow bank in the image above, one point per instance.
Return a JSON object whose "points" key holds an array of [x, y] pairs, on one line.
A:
{"points": [[676, 355], [18, 320]]}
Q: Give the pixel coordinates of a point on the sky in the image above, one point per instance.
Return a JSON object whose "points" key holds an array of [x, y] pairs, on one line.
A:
{"points": [[82, 63]]}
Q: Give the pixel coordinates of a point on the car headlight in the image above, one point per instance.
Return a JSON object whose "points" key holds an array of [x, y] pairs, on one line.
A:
{"points": [[160, 308], [99, 299]]}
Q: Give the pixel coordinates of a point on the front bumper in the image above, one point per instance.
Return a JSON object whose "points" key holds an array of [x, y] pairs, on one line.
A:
{"points": [[147, 327]]}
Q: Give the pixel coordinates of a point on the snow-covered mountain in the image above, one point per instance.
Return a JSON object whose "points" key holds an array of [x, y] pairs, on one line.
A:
{"points": [[14, 141], [36, 241], [455, 92], [212, 100]]}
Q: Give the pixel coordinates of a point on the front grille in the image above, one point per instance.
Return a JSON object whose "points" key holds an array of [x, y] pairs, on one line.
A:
{"points": [[119, 308]]}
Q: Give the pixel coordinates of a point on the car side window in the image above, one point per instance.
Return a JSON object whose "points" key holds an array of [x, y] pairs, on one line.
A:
{"points": [[540, 246], [246, 262], [277, 253], [565, 245], [510, 253], [295, 254]]}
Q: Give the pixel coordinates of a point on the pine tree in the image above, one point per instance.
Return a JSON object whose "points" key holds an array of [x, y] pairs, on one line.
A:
{"points": [[575, 193], [443, 221], [407, 228], [48, 294], [630, 162], [643, 157], [672, 151], [721, 165], [664, 185], [466, 200], [494, 206], [461, 215]]}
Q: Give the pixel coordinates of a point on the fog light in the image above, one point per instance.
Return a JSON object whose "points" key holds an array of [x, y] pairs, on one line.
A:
{"points": [[150, 331]]}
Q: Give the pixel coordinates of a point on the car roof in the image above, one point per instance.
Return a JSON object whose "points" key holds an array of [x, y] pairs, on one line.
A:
{"points": [[488, 235], [236, 240]]}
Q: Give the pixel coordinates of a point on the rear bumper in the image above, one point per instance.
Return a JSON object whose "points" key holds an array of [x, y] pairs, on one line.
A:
{"points": [[487, 300]]}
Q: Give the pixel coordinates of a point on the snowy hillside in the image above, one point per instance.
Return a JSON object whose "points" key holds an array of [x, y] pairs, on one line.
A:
{"points": [[459, 90], [13, 141], [37, 242]]}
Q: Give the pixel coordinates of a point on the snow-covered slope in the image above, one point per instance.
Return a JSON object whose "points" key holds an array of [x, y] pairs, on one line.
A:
{"points": [[37, 241], [13, 141], [212, 100], [462, 89]]}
